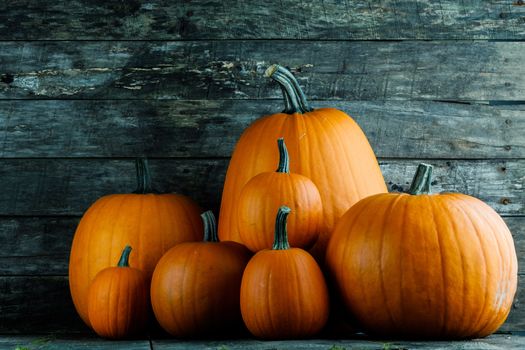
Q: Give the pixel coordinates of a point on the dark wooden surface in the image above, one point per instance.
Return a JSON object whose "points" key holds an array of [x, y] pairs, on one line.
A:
{"points": [[86, 86], [233, 69], [55, 342], [252, 19]]}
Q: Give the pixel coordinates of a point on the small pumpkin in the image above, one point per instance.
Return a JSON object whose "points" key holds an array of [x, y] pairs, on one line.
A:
{"points": [[424, 265], [195, 286], [262, 196], [118, 300], [150, 222], [283, 291], [323, 142]]}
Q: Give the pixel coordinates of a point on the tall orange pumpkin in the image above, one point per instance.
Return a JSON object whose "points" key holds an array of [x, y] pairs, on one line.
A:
{"points": [[424, 265], [262, 196], [327, 146], [150, 222]]}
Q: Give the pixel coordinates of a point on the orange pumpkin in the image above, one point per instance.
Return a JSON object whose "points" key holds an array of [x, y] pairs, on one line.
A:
{"points": [[424, 265], [151, 223], [195, 286], [118, 300], [262, 196], [283, 291], [324, 143]]}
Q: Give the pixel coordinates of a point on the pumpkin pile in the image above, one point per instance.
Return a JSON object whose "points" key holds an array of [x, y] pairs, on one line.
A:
{"points": [[315, 213]]}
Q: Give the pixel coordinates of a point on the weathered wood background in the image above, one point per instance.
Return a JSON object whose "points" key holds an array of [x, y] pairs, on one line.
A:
{"points": [[86, 86]]}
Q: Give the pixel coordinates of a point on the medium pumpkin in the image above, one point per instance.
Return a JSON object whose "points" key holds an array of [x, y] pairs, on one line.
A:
{"points": [[324, 143], [118, 300], [283, 291], [262, 196], [195, 286], [150, 222], [424, 265]]}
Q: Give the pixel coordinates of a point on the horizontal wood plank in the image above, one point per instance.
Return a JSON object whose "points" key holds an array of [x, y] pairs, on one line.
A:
{"points": [[250, 19], [69, 341], [36, 305], [69, 186], [206, 128], [40, 246], [494, 342], [43, 304], [446, 70]]}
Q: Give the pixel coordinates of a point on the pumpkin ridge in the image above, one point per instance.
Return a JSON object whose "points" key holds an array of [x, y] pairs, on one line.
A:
{"points": [[484, 255], [98, 211], [442, 259], [355, 190], [365, 235], [347, 246], [116, 213], [456, 231], [484, 218], [390, 209], [404, 219]]}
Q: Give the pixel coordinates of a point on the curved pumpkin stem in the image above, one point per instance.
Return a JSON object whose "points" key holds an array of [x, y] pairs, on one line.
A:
{"points": [[281, 235], [124, 257], [284, 159], [143, 177], [295, 99], [210, 227], [422, 180]]}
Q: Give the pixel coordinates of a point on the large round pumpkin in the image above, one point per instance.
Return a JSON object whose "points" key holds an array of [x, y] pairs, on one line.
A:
{"points": [[151, 223], [262, 196], [424, 265], [324, 144], [196, 285]]}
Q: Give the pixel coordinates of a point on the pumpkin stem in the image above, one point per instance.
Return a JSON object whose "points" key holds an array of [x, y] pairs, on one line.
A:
{"points": [[210, 227], [281, 235], [422, 179], [284, 159], [294, 97], [124, 258], [143, 177]]}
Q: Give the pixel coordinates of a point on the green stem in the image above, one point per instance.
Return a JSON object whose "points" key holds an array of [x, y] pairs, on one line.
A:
{"points": [[143, 177], [295, 99], [281, 235], [210, 227], [124, 258], [422, 180], [284, 159]]}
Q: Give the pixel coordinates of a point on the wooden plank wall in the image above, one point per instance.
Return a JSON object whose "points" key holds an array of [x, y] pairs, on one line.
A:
{"points": [[86, 86]]}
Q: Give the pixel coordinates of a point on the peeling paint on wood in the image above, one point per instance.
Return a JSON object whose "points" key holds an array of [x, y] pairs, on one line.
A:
{"points": [[183, 128], [250, 19], [448, 70]]}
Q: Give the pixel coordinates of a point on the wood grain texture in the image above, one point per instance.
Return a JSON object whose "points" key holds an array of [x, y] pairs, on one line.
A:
{"points": [[445, 70], [37, 304], [210, 128], [68, 186], [250, 19], [26, 306], [494, 342], [40, 246], [36, 246], [69, 342]]}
